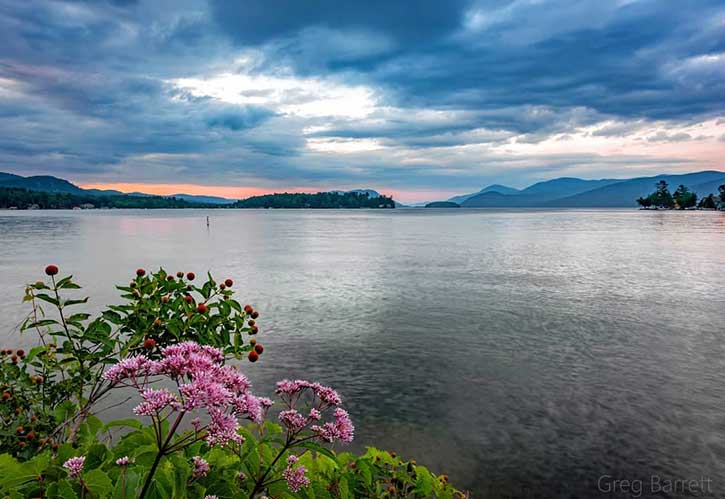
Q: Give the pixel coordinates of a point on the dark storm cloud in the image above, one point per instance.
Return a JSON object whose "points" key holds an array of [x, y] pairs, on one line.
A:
{"points": [[259, 21], [87, 87]]}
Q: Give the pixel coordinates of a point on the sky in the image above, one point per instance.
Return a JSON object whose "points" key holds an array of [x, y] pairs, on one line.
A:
{"points": [[419, 99]]}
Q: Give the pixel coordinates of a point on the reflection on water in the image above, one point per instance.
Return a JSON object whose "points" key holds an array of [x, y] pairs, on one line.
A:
{"points": [[516, 350]]}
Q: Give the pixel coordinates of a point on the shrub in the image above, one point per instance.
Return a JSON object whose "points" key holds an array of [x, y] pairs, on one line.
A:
{"points": [[169, 343]]}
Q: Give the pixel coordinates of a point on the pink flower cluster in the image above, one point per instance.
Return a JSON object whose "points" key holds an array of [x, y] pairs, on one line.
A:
{"points": [[295, 477], [204, 383], [323, 399], [289, 390], [340, 429], [74, 466], [201, 467]]}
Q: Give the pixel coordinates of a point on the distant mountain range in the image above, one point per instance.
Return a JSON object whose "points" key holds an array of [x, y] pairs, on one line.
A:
{"points": [[47, 183], [567, 192], [564, 192], [501, 189]]}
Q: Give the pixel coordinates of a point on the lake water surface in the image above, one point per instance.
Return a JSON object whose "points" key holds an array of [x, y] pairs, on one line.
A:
{"points": [[523, 352]]}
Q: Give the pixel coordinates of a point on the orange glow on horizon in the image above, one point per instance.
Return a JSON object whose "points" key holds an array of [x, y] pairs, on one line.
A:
{"points": [[230, 192], [194, 189]]}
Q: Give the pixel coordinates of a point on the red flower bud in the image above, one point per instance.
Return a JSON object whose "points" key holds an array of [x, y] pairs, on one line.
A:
{"points": [[251, 323], [253, 356], [169, 278], [259, 349], [51, 269], [140, 272], [222, 286], [255, 314], [30, 436], [149, 343], [229, 283], [7, 395], [180, 275], [21, 353], [191, 276], [202, 308], [188, 299], [255, 329], [248, 309]]}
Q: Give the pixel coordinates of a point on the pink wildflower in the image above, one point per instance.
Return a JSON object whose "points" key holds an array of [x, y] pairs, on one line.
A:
{"points": [[155, 401], [201, 467], [328, 395], [296, 478], [204, 391], [131, 368], [74, 466], [292, 420], [233, 380], [222, 428], [341, 429], [288, 387], [123, 461]]}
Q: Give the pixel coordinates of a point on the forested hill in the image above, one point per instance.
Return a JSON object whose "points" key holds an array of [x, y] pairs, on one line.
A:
{"points": [[319, 200], [25, 199]]}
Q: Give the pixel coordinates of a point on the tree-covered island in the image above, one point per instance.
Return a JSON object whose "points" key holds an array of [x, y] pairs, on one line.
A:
{"points": [[318, 200], [682, 199], [22, 199]]}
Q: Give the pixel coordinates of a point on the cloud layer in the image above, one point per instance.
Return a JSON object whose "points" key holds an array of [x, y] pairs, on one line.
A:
{"points": [[405, 97]]}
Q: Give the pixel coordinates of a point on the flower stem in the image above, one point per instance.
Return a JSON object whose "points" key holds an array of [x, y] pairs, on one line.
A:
{"points": [[160, 454]]}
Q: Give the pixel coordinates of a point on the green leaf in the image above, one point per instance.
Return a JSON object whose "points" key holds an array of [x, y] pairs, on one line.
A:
{"points": [[130, 422], [68, 303], [319, 448], [67, 283], [61, 489], [42, 323], [95, 456], [131, 485], [47, 298], [98, 483], [112, 317], [424, 482]]}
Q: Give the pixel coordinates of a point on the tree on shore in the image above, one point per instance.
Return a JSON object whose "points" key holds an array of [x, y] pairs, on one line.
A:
{"points": [[722, 193], [645, 202], [684, 198], [708, 202], [662, 196]]}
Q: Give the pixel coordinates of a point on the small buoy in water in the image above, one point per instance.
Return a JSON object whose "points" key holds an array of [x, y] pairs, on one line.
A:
{"points": [[207, 221]]}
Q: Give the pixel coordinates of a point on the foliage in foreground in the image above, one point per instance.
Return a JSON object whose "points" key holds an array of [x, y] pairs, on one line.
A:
{"points": [[167, 346]]}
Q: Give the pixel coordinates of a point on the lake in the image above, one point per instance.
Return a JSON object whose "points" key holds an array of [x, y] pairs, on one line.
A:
{"points": [[523, 352]]}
